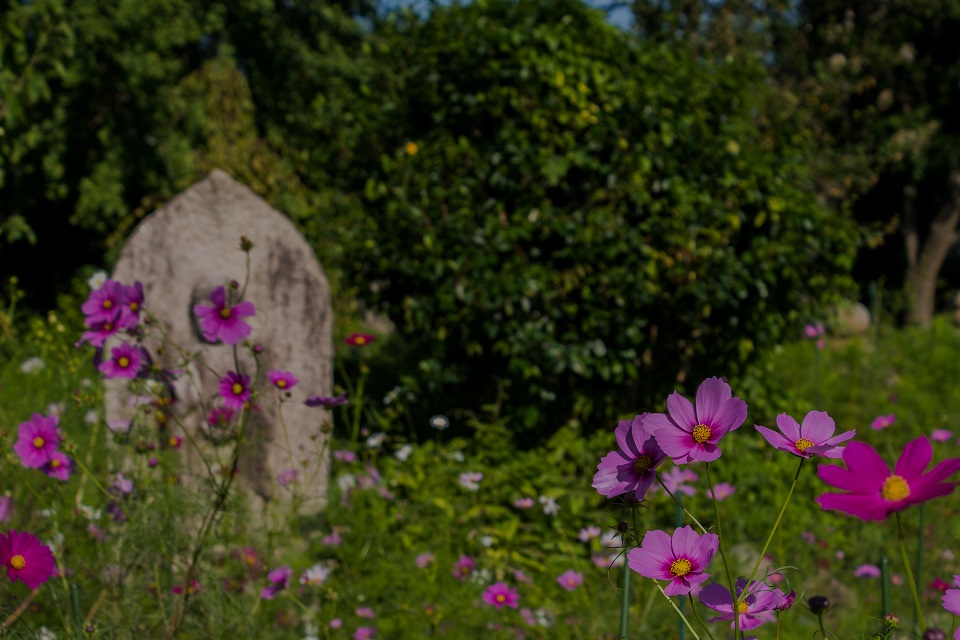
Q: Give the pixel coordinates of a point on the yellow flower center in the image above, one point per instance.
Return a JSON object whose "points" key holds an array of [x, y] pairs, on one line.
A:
{"points": [[360, 340], [134, 306], [123, 361], [38, 442], [173, 441], [643, 463], [225, 313], [282, 384], [237, 388], [18, 562], [701, 433], [108, 304], [742, 607], [681, 567], [501, 598], [895, 489], [108, 326], [803, 444], [55, 463]]}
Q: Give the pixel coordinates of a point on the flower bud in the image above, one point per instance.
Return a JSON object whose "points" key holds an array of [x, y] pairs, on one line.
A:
{"points": [[934, 634], [245, 243], [891, 621], [818, 604]]}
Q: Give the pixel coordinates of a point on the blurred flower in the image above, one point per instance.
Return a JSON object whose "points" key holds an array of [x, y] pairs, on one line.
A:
{"points": [[100, 330], [632, 469], [32, 364], [934, 634], [346, 482], [6, 508], [121, 485], [470, 480], [96, 280], [132, 301], [607, 561], [279, 580], [411, 148], [682, 558], [570, 580], [336, 623], [723, 491], [818, 604], [813, 437], [365, 633], [809, 537], [874, 492], [365, 612], [753, 611], [689, 432], [333, 540], [235, 390], [286, 476], [403, 453], [282, 380], [439, 422], [524, 503], [38, 441], [813, 330], [941, 435], [359, 339], [91, 417], [589, 533], [499, 594], [939, 585], [177, 589], [549, 504], [315, 575], [487, 541], [891, 621], [26, 558], [223, 322], [59, 466], [424, 560], [343, 455], [867, 571], [375, 440], [326, 401], [882, 422], [522, 577], [676, 479], [951, 597], [463, 567]]}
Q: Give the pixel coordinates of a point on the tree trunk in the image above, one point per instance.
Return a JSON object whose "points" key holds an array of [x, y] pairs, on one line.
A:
{"points": [[923, 266]]}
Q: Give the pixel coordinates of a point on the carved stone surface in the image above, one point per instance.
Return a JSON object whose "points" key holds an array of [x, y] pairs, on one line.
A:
{"points": [[180, 253]]}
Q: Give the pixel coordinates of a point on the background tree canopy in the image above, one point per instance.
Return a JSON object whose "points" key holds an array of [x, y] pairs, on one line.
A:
{"points": [[562, 218]]}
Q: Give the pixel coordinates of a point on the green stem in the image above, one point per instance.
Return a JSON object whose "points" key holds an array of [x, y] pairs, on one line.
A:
{"points": [[625, 603], [723, 557], [820, 622], [776, 524], [918, 610], [674, 605], [679, 504], [693, 606]]}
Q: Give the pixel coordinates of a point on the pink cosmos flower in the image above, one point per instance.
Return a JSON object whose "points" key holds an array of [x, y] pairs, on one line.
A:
{"points": [[950, 599], [941, 435], [282, 380], [424, 560], [875, 492], [100, 329], [632, 469], [26, 558], [333, 540], [219, 417], [463, 568], [681, 559], [500, 595], [327, 401], [336, 623], [365, 612], [691, 432], [524, 503], [882, 422], [125, 362], [723, 490], [132, 303], [359, 339], [6, 507], [279, 580], [570, 580], [676, 480], [286, 476], [589, 533], [59, 466], [104, 302], [223, 322], [365, 633], [813, 437], [755, 610], [344, 455], [813, 330], [235, 390], [39, 439], [867, 571]]}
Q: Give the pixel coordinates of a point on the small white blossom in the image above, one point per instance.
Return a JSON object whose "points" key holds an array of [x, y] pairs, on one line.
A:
{"points": [[403, 453], [32, 364], [470, 480], [456, 456], [439, 422], [550, 506], [375, 440], [96, 280], [487, 541], [46, 634], [315, 575], [91, 417], [347, 481]]}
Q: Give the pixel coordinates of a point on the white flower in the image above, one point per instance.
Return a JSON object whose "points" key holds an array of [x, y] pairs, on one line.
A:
{"points": [[96, 280], [89, 512], [32, 364], [45, 634], [470, 480], [391, 396], [481, 576], [439, 422], [543, 618], [403, 453], [347, 481], [487, 541], [54, 409], [456, 456], [315, 575], [91, 417], [375, 440], [550, 506], [311, 631]]}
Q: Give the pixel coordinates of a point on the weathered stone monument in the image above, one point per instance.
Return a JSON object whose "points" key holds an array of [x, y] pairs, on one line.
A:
{"points": [[184, 250]]}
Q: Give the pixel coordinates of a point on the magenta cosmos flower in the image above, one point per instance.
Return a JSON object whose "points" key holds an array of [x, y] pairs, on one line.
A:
{"points": [[26, 558], [633, 468], [691, 432], [951, 602], [235, 389], [463, 568], [282, 380], [754, 610], [104, 302], [681, 559], [125, 362], [279, 580], [570, 580], [59, 466], [327, 401], [100, 329], [813, 437], [875, 492], [500, 595], [39, 439], [223, 322], [359, 339], [132, 304]]}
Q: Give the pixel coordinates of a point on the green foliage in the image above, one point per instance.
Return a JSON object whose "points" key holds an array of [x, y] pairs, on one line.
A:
{"points": [[580, 219]]}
